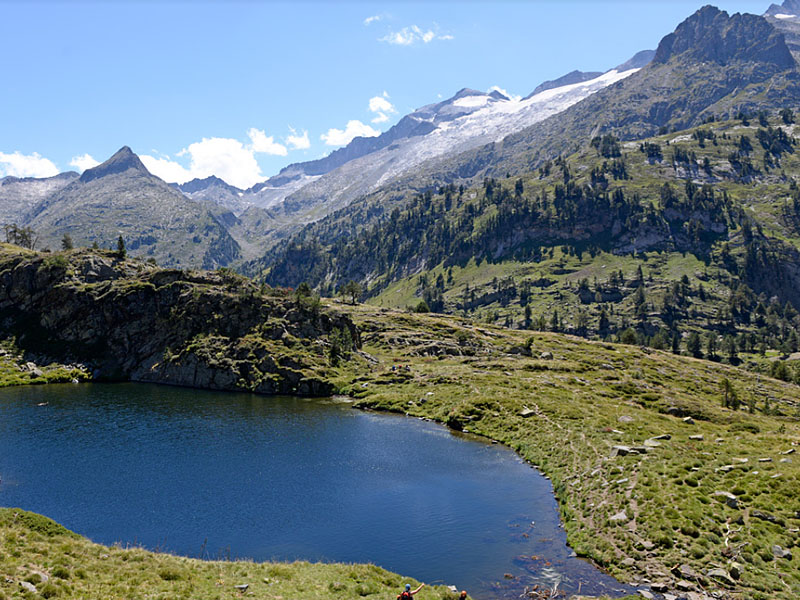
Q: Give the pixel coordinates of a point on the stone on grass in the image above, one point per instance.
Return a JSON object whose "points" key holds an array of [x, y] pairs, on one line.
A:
{"points": [[646, 594], [625, 419], [620, 451], [684, 585], [527, 412], [651, 443], [546, 356], [697, 438], [728, 498], [663, 436], [735, 570], [659, 588], [758, 514], [28, 586], [620, 517], [688, 420], [779, 552], [685, 572], [721, 576]]}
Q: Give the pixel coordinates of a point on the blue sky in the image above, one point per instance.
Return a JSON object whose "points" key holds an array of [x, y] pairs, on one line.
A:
{"points": [[242, 89]]}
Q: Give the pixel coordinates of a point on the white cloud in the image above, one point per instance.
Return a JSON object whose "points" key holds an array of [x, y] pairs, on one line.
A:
{"points": [[261, 142], [166, 169], [226, 158], [26, 165], [382, 108], [355, 128], [413, 34], [298, 142], [83, 162], [372, 19]]}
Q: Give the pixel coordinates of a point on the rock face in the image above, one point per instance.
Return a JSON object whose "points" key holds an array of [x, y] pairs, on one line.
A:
{"points": [[19, 194], [130, 320], [711, 35]]}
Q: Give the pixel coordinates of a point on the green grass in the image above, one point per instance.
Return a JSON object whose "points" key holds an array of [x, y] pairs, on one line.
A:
{"points": [[586, 399], [591, 397], [15, 370], [33, 548]]}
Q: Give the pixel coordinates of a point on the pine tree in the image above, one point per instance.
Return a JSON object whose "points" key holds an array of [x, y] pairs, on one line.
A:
{"points": [[694, 345], [554, 321]]}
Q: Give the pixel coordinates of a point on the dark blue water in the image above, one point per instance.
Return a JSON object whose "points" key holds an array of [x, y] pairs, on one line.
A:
{"points": [[232, 475]]}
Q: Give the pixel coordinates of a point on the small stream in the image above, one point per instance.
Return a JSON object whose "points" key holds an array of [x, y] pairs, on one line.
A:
{"points": [[222, 475]]}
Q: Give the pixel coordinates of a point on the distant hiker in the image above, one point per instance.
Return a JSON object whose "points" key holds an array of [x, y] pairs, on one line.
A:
{"points": [[463, 595], [408, 592]]}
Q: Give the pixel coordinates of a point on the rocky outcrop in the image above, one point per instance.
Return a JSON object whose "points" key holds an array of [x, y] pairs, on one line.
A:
{"points": [[131, 320], [711, 35]]}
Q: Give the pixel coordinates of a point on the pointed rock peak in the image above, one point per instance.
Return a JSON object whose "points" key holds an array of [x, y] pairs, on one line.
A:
{"points": [[789, 9], [639, 60], [498, 95], [711, 35], [123, 160], [465, 92]]}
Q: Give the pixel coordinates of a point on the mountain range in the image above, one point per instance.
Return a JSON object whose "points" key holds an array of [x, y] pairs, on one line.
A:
{"points": [[713, 65], [120, 197]]}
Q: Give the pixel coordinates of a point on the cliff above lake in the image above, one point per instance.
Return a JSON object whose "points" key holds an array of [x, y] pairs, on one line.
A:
{"points": [[127, 319]]}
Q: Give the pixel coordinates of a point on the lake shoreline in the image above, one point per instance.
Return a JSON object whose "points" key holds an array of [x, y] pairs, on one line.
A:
{"points": [[60, 398]]}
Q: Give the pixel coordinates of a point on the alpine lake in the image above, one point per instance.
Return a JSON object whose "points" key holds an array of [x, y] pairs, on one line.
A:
{"points": [[224, 475]]}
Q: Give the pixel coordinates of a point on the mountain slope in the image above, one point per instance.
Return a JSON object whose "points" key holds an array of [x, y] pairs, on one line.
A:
{"points": [[713, 64], [19, 194], [305, 192], [690, 233], [786, 19], [215, 190], [120, 197]]}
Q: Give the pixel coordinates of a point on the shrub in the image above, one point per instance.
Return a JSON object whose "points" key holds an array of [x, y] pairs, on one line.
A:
{"points": [[170, 574], [60, 572], [749, 427], [49, 591]]}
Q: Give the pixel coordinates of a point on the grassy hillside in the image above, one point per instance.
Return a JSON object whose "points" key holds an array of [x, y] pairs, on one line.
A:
{"points": [[695, 231], [667, 469], [637, 443]]}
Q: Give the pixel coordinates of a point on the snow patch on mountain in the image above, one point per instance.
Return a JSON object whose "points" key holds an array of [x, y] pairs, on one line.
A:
{"points": [[472, 101]]}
